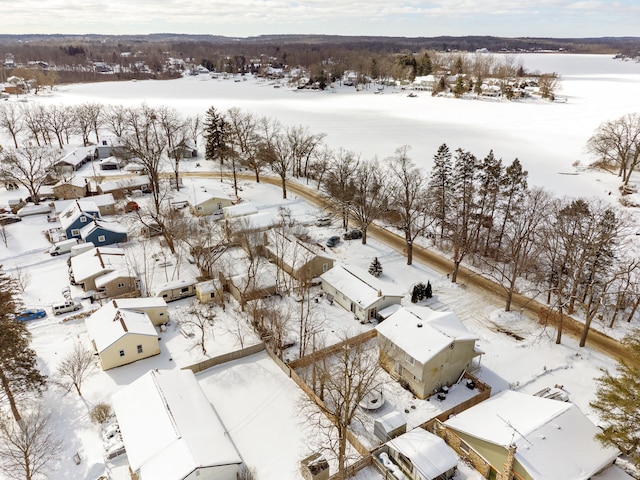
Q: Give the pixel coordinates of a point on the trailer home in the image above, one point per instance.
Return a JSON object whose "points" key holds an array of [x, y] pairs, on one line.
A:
{"points": [[176, 289]]}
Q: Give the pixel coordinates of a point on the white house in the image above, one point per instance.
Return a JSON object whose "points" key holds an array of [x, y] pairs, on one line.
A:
{"points": [[358, 291], [549, 439], [208, 202], [171, 431], [425, 349]]}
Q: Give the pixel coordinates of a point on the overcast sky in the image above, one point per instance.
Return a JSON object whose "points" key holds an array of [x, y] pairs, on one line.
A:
{"points": [[244, 18]]}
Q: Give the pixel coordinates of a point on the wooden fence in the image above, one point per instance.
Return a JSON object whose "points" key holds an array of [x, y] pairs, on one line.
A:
{"points": [[227, 357]]}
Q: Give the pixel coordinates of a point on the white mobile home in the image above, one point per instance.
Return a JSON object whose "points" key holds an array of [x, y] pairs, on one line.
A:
{"points": [[176, 289]]}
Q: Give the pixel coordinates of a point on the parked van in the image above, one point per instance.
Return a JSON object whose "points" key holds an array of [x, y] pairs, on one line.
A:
{"points": [[81, 247], [62, 247], [65, 307], [176, 290]]}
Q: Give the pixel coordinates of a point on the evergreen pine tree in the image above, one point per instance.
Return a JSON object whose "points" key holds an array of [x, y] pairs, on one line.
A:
{"points": [[215, 135], [376, 268], [19, 373], [428, 291], [617, 402], [440, 186]]}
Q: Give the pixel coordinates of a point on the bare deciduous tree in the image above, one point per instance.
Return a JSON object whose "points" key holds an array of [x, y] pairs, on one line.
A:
{"points": [[201, 318], [346, 379], [616, 144], [338, 183], [28, 447], [11, 121], [29, 167], [371, 196], [408, 199], [75, 367]]}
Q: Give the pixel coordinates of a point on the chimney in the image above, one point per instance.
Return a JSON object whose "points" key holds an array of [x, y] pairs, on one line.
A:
{"points": [[508, 465], [379, 293]]}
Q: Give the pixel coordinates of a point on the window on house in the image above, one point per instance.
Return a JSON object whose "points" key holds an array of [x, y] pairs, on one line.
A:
{"points": [[409, 359], [101, 238], [121, 285], [213, 295], [122, 353], [325, 267], [405, 461], [75, 232], [464, 447], [139, 348], [83, 219], [184, 290]]}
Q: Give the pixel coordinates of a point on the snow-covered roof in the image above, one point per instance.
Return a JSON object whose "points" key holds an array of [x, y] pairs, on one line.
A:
{"points": [[239, 210], [359, 285], [554, 439], [130, 182], [391, 420], [198, 197], [292, 251], [103, 225], [614, 472], [429, 454], [422, 332], [78, 155], [138, 303], [99, 200], [184, 282], [75, 210], [108, 324], [107, 278], [75, 181], [169, 427], [98, 260]]}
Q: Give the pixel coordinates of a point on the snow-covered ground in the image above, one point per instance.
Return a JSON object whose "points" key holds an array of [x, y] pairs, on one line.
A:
{"points": [[256, 401]]}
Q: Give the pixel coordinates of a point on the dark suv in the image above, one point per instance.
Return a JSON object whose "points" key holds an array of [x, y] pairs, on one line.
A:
{"points": [[352, 234]]}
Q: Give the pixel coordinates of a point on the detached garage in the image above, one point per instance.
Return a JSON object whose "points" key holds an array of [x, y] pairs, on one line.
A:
{"points": [[171, 431]]}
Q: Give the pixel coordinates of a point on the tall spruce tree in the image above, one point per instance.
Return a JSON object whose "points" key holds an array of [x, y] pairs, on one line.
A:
{"points": [[215, 134], [464, 223], [440, 187], [617, 402], [18, 371]]}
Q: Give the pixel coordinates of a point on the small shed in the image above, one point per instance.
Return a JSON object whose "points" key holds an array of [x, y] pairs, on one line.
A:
{"points": [[389, 426], [207, 292]]}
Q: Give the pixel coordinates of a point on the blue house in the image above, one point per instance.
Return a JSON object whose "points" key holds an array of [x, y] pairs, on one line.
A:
{"points": [[102, 233], [78, 215]]}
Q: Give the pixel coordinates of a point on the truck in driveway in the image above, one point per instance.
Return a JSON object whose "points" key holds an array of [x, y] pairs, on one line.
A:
{"points": [[62, 247]]}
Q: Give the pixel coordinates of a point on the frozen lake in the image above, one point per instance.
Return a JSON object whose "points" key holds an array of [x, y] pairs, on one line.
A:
{"points": [[548, 138]]}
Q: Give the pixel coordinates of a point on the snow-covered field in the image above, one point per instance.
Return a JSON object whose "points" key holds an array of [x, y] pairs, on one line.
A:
{"points": [[256, 401]]}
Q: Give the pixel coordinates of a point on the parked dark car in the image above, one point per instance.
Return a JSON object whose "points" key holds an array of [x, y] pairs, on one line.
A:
{"points": [[333, 241], [352, 234], [31, 314]]}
